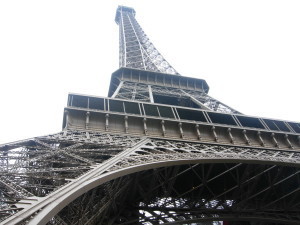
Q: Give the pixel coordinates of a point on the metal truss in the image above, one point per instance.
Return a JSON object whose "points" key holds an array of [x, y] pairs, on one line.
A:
{"points": [[162, 150], [134, 91], [201, 98], [201, 192], [136, 50], [151, 93], [34, 168], [212, 103], [194, 193], [88, 208], [116, 179]]}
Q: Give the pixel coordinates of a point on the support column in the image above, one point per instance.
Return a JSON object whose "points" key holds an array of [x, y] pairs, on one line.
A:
{"points": [[118, 89], [150, 94], [196, 101]]}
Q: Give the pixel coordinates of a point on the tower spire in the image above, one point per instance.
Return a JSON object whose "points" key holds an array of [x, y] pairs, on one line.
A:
{"points": [[136, 50]]}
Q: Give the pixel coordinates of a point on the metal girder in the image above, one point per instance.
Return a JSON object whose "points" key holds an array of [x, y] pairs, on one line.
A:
{"points": [[127, 90], [37, 167], [178, 122], [157, 151], [195, 205], [136, 50], [152, 204], [185, 159], [212, 103], [133, 91]]}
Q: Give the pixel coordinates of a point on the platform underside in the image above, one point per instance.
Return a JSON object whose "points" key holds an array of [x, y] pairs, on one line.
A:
{"points": [[76, 177], [192, 194]]}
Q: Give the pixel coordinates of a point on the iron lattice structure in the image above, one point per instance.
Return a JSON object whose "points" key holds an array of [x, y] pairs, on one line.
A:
{"points": [[136, 50], [157, 150]]}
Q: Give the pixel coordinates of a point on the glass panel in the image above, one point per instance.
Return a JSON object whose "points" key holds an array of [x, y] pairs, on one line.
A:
{"points": [[271, 124], [165, 111], [250, 122], [116, 106], [295, 126], [96, 103], [281, 125], [191, 115], [80, 101], [221, 118], [131, 107], [150, 110]]}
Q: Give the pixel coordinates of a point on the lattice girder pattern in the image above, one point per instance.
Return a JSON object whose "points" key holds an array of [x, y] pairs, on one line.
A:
{"points": [[139, 85], [167, 95], [194, 193], [213, 192], [177, 181], [34, 168], [136, 50], [134, 91]]}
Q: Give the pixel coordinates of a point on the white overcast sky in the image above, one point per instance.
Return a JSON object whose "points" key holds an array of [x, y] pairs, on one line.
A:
{"points": [[247, 51]]}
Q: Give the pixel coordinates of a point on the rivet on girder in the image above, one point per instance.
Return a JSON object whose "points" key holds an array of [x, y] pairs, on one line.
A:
{"points": [[106, 121], [214, 133], [163, 128], [126, 124], [180, 130], [288, 141], [87, 120], [230, 135], [261, 141], [198, 132], [246, 137], [274, 140], [145, 126]]}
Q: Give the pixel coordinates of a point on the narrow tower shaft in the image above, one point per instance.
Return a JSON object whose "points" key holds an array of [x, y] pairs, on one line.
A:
{"points": [[136, 50]]}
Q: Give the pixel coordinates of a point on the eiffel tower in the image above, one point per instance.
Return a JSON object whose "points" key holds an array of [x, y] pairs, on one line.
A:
{"points": [[157, 150]]}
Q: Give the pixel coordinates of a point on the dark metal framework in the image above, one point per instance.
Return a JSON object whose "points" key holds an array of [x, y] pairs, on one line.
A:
{"points": [[158, 150]]}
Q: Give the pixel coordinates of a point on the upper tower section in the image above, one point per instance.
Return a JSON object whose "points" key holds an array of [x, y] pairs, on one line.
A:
{"points": [[123, 9], [145, 75], [136, 50]]}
